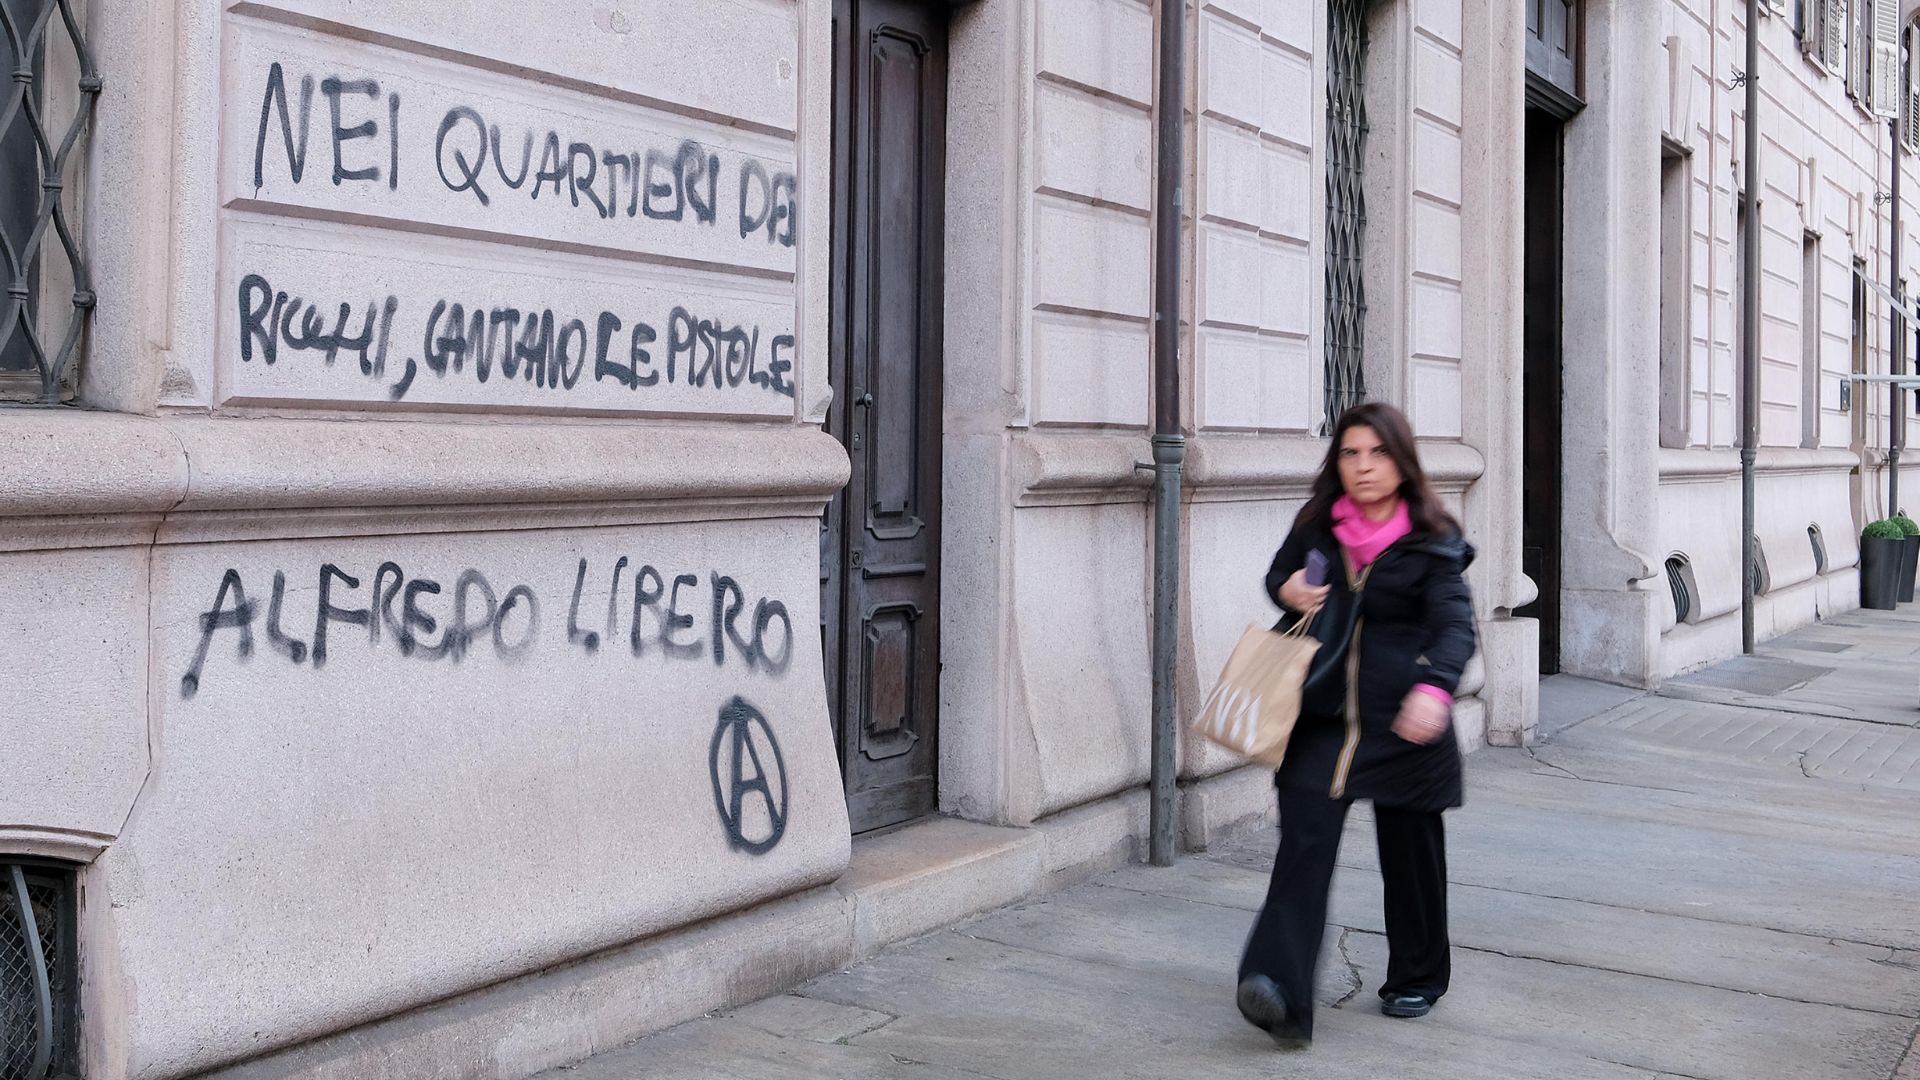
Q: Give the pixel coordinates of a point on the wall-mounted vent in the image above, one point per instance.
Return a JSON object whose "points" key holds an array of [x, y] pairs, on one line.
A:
{"points": [[39, 1001], [1680, 580], [1819, 549]]}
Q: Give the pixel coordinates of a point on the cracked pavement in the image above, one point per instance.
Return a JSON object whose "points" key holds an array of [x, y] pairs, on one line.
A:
{"points": [[1719, 881]]}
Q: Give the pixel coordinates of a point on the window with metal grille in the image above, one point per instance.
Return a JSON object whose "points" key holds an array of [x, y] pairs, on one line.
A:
{"points": [[45, 109], [38, 972], [1346, 312]]}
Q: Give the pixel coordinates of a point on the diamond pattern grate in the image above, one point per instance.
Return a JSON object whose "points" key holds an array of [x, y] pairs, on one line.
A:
{"points": [[30, 1009], [1346, 311], [39, 158]]}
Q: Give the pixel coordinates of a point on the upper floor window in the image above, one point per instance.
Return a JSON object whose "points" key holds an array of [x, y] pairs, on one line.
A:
{"points": [[1553, 44], [1859, 39], [1676, 295], [46, 103]]}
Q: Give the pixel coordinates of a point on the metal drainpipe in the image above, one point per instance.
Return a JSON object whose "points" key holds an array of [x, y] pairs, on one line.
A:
{"points": [[1169, 442], [1896, 357], [1750, 331]]}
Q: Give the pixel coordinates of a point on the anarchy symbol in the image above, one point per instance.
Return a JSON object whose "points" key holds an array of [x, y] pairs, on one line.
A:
{"points": [[744, 729]]}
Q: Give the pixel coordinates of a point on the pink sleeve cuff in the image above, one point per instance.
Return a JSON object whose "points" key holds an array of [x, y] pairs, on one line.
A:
{"points": [[1441, 695]]}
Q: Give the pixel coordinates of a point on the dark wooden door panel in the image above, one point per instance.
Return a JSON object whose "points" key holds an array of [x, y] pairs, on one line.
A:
{"points": [[881, 538]]}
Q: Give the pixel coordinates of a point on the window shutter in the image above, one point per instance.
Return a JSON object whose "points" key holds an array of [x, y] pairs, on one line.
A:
{"points": [[1910, 128], [1838, 38], [1859, 51], [1885, 70], [1813, 28]]}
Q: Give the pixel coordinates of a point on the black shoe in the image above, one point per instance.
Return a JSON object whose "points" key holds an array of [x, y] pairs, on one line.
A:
{"points": [[1405, 1006], [1260, 1002]]}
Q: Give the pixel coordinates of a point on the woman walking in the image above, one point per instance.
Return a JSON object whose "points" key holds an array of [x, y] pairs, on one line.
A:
{"points": [[1377, 564]]}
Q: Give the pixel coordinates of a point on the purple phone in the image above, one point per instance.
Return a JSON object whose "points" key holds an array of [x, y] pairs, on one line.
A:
{"points": [[1316, 568]]}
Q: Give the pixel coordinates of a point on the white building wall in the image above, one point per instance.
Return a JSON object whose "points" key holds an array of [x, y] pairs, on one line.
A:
{"points": [[1823, 159], [1260, 193], [422, 814], [508, 752]]}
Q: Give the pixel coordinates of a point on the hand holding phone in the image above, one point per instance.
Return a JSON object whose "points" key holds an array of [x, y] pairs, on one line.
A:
{"points": [[1306, 590], [1316, 568]]}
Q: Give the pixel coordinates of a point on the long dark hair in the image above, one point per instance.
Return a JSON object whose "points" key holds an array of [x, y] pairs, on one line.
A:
{"points": [[1423, 506]]}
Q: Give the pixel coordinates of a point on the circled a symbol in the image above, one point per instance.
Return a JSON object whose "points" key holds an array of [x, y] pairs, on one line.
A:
{"points": [[751, 798]]}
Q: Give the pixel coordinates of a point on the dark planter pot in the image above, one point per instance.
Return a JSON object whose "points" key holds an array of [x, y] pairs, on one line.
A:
{"points": [[1909, 563], [1881, 561]]}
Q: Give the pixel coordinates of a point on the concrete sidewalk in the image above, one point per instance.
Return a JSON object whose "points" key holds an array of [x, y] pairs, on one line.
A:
{"points": [[1718, 881]]}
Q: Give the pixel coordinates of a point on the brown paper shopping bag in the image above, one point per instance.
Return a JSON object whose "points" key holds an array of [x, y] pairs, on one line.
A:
{"points": [[1255, 704]]}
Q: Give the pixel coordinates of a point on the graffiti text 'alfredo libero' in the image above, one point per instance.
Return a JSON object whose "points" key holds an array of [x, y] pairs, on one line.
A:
{"points": [[681, 617]]}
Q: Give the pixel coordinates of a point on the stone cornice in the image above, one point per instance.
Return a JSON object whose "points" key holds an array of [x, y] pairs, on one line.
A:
{"points": [[84, 479], [1683, 465], [1055, 468]]}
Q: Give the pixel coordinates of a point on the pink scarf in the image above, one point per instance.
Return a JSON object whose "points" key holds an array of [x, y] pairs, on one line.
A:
{"points": [[1366, 540]]}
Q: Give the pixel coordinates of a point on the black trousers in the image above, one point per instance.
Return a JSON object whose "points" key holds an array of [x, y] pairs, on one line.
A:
{"points": [[1286, 940]]}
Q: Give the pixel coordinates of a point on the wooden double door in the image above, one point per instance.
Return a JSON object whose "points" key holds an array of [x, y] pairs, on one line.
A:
{"points": [[880, 539]]}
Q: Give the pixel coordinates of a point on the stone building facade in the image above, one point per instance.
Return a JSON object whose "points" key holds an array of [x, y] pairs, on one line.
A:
{"points": [[1650, 332], [564, 521]]}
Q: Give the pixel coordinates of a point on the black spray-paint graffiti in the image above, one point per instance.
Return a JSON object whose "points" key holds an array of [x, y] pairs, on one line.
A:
{"points": [[752, 805], [535, 346], [680, 184], [473, 615]]}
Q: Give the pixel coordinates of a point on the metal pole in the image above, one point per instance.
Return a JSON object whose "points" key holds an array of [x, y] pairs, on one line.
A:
{"points": [[1896, 357], [1169, 442], [1750, 331]]}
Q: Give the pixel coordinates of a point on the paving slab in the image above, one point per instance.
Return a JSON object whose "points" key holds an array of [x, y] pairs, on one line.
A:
{"points": [[1017, 1013], [1655, 1024], [723, 1049]]}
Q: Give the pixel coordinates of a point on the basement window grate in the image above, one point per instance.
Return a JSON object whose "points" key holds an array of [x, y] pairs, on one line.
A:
{"points": [[1346, 312], [1680, 580], [38, 972], [1819, 549]]}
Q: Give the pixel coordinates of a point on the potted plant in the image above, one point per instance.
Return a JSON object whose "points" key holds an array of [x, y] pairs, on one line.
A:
{"points": [[1909, 559], [1883, 549]]}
